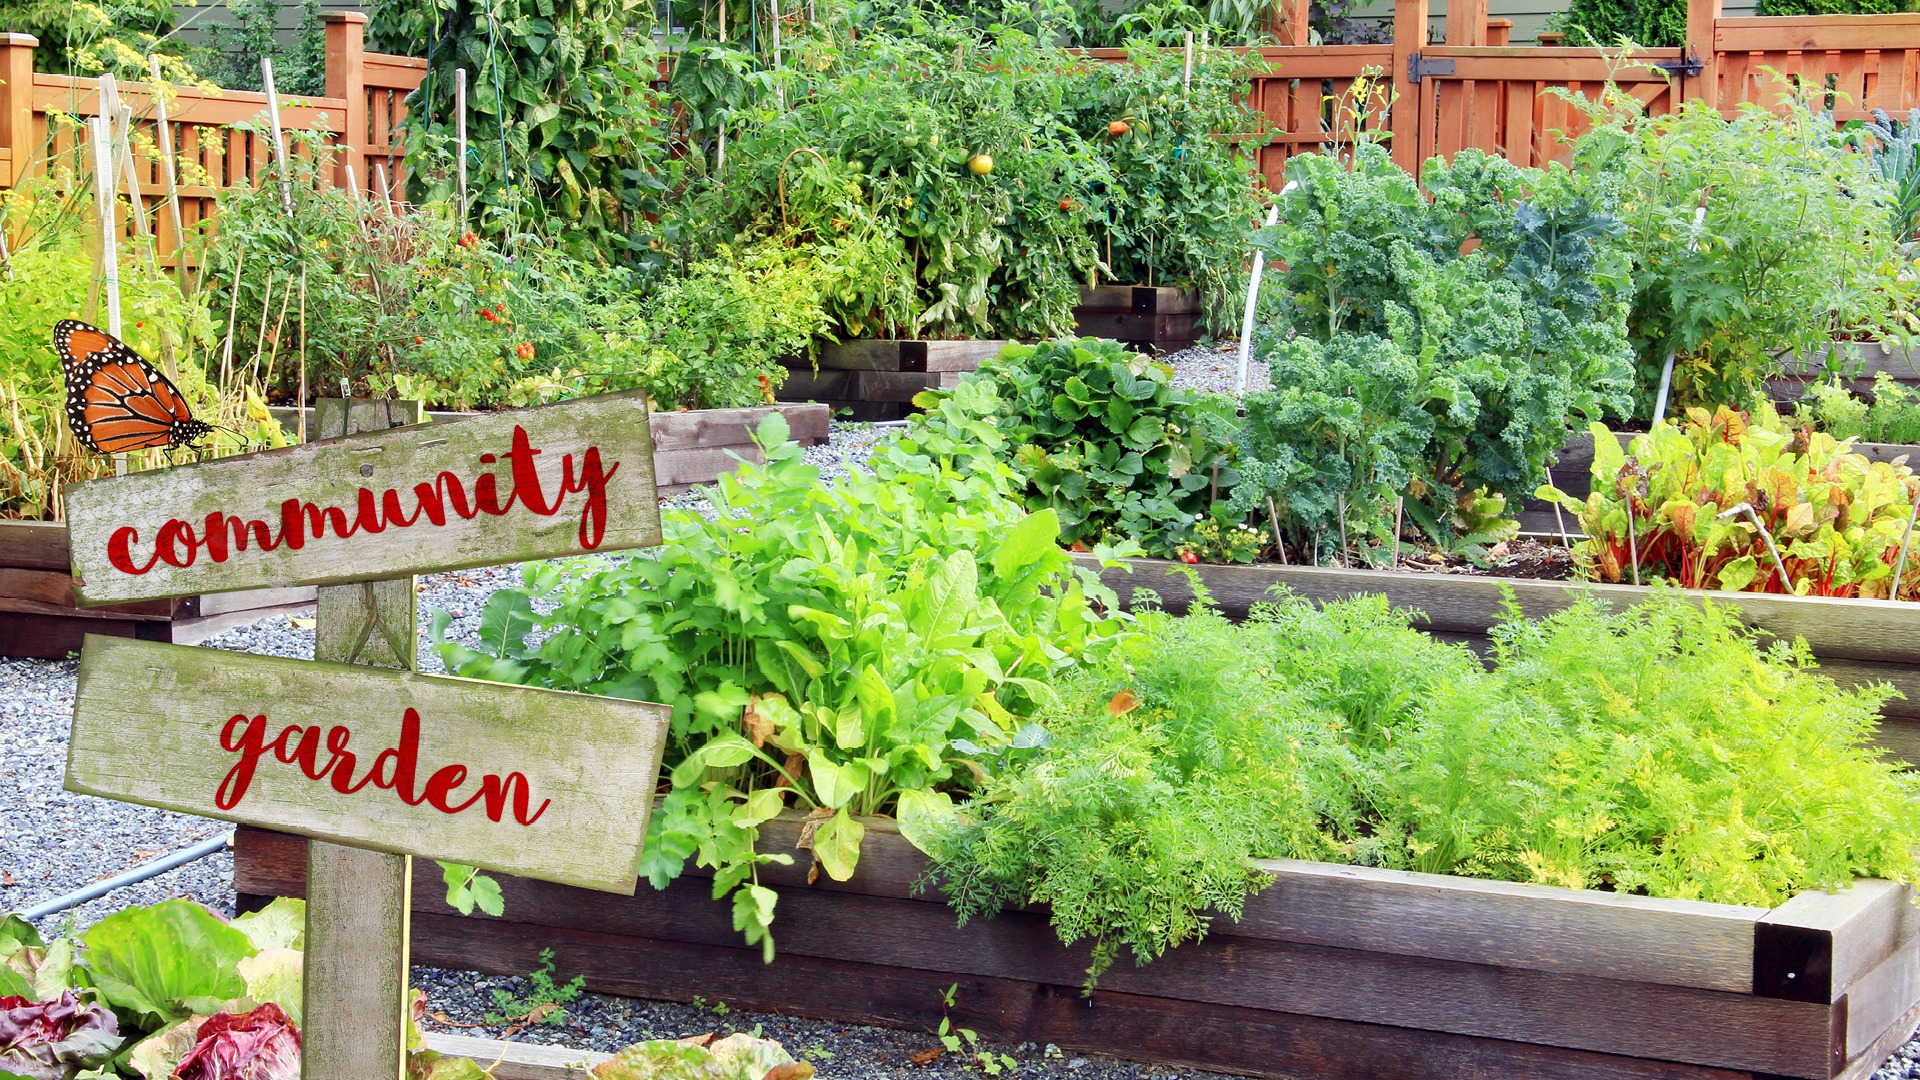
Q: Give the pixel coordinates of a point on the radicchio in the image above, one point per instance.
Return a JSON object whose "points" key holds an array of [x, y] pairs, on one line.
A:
{"points": [[259, 1045], [49, 1040]]}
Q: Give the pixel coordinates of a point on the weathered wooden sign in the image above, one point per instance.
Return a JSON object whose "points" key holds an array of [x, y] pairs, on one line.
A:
{"points": [[532, 484], [538, 783], [376, 762]]}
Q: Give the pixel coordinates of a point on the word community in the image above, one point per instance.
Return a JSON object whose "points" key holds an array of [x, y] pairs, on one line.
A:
{"points": [[395, 769], [177, 544]]}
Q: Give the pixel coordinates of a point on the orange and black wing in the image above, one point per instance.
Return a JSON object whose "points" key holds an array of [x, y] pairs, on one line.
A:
{"points": [[116, 401]]}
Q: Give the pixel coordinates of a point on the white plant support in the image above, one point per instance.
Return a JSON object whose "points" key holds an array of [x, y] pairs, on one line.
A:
{"points": [[460, 136], [279, 136], [380, 185], [100, 130], [1186, 67], [1253, 296], [169, 171], [1752, 515], [353, 181], [1900, 564], [1666, 370]]}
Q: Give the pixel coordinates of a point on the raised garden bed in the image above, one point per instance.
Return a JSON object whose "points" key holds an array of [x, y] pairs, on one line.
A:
{"points": [[1875, 357], [876, 379], [1856, 641], [1148, 318], [695, 446], [1334, 971]]}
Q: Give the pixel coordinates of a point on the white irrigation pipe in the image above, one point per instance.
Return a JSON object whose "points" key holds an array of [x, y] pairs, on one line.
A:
{"points": [[1253, 295], [1666, 370], [460, 136]]}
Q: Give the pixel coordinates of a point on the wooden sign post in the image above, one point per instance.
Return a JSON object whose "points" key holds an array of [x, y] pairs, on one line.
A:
{"points": [[353, 749]]}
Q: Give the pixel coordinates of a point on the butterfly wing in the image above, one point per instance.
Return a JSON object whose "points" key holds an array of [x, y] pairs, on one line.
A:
{"points": [[116, 401]]}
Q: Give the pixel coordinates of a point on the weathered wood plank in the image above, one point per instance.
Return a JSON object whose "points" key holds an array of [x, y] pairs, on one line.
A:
{"points": [[254, 599], [585, 483], [700, 429], [55, 636], [518, 1061], [1856, 629], [1878, 1000], [595, 758], [1138, 299], [1127, 326], [897, 386], [358, 902], [904, 354], [1703, 1027], [34, 545]]}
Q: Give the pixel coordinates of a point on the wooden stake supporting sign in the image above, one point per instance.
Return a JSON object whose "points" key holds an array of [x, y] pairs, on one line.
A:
{"points": [[352, 748]]}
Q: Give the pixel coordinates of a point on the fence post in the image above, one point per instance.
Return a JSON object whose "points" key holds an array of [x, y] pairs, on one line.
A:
{"points": [[16, 102], [347, 79], [1499, 32], [1701, 17], [1466, 22], [1289, 21], [1414, 101]]}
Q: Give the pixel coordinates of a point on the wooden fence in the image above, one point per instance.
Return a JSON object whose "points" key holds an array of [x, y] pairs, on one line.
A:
{"points": [[1473, 90], [1476, 91], [42, 124]]}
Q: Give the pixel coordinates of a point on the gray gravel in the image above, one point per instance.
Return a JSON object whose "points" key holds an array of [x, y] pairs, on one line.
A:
{"points": [[837, 1051], [52, 842], [1216, 368]]}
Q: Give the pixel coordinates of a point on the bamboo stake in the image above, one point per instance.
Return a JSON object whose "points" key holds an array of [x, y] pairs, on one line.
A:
{"points": [[137, 214], [1340, 503], [460, 135], [1399, 510], [169, 173], [266, 305], [233, 308], [1565, 540], [279, 136], [1900, 566], [300, 404], [273, 346], [1273, 518], [1633, 541]]}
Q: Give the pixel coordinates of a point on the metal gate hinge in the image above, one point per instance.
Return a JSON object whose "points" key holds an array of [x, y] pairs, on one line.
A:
{"points": [[1419, 67]]}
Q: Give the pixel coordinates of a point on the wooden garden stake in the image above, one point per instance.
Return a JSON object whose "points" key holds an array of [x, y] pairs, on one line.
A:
{"points": [[380, 185], [1900, 564], [1633, 540], [1565, 540], [1186, 66], [358, 915], [1399, 509], [103, 176], [460, 136], [169, 174], [137, 214], [300, 403], [1273, 518], [279, 136]]}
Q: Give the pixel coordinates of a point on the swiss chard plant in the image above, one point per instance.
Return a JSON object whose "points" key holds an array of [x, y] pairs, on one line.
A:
{"points": [[1102, 438], [1723, 502], [1431, 343], [842, 651]]}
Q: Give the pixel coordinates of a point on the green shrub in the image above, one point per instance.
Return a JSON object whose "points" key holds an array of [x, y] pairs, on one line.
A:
{"points": [[861, 648], [1402, 367], [1661, 750], [1101, 437], [1794, 249], [1893, 415]]}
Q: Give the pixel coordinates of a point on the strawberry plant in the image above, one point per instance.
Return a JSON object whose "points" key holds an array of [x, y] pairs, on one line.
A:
{"points": [[1102, 438], [1723, 502]]}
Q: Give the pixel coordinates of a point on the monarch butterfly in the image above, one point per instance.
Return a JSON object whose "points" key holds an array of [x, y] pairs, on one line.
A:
{"points": [[117, 401]]}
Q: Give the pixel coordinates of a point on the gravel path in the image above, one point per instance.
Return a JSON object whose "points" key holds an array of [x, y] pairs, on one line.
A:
{"points": [[52, 842], [1216, 368]]}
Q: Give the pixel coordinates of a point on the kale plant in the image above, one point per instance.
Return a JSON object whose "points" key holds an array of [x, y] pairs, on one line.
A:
{"points": [[1490, 301]]}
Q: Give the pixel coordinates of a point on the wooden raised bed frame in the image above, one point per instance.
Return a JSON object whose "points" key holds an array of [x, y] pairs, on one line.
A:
{"points": [[1334, 971], [1159, 319]]}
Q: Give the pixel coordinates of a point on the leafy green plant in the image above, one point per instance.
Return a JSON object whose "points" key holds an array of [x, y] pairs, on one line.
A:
{"points": [[1664, 749], [1101, 437], [849, 648], [237, 47], [544, 1001], [1894, 146], [1725, 502], [1178, 210], [1429, 343], [468, 888], [966, 1041], [143, 991], [927, 183], [50, 276], [1893, 415], [1608, 24], [1789, 256], [87, 37], [565, 129]]}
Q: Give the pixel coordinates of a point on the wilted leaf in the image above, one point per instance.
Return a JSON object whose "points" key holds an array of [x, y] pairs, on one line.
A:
{"points": [[1123, 703]]}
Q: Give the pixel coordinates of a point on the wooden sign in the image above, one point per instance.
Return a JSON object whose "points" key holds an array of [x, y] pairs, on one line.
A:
{"points": [[532, 484], [537, 783]]}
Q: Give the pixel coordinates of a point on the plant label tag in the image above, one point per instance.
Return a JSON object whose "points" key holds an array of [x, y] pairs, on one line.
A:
{"points": [[536, 783], [507, 487]]}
